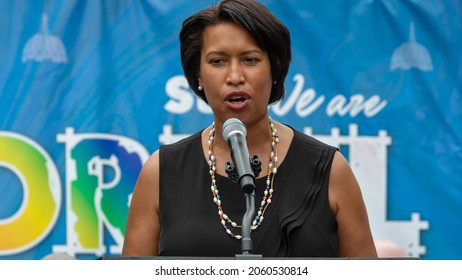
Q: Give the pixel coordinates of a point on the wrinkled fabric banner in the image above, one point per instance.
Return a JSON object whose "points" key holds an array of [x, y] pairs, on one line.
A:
{"points": [[88, 89]]}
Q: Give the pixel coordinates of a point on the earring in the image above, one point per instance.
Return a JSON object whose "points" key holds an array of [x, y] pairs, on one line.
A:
{"points": [[275, 82], [199, 88]]}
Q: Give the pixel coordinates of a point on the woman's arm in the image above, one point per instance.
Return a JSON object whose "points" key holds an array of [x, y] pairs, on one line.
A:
{"points": [[143, 225], [354, 234]]}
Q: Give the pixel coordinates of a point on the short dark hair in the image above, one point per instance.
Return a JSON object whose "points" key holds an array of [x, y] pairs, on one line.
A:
{"points": [[267, 30]]}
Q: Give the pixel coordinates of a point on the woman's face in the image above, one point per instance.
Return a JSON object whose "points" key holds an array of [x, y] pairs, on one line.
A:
{"points": [[235, 74]]}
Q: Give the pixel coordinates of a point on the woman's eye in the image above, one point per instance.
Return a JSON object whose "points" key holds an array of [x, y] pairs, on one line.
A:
{"points": [[216, 61], [251, 60]]}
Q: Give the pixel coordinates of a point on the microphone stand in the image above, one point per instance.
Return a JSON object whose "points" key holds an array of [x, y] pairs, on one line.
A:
{"points": [[248, 188]]}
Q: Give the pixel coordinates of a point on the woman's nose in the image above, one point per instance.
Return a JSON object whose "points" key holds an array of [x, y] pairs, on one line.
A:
{"points": [[235, 74]]}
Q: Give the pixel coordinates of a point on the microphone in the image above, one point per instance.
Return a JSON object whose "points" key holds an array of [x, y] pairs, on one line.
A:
{"points": [[234, 133]]}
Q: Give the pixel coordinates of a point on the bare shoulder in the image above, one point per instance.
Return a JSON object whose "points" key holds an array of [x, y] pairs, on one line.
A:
{"points": [[150, 170], [347, 204], [342, 182], [148, 181], [143, 226]]}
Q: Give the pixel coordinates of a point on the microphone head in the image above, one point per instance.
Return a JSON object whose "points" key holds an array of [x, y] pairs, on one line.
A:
{"points": [[232, 126]]}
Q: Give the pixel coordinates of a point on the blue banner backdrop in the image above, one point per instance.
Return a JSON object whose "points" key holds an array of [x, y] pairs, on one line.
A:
{"points": [[88, 89]]}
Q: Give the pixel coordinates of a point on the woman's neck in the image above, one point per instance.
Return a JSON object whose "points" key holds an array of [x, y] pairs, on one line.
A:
{"points": [[258, 138]]}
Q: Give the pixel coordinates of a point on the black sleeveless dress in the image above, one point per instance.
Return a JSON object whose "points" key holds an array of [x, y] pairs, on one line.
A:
{"points": [[298, 222]]}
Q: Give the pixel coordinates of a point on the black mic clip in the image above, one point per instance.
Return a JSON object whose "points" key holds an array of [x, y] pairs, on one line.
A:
{"points": [[255, 163]]}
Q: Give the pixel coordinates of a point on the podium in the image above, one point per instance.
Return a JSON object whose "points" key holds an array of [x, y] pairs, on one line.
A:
{"points": [[248, 257]]}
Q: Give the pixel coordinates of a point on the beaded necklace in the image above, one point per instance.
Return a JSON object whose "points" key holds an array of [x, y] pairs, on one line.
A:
{"points": [[225, 220]]}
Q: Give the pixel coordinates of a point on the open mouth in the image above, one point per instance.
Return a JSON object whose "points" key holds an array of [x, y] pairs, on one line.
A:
{"points": [[236, 99]]}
